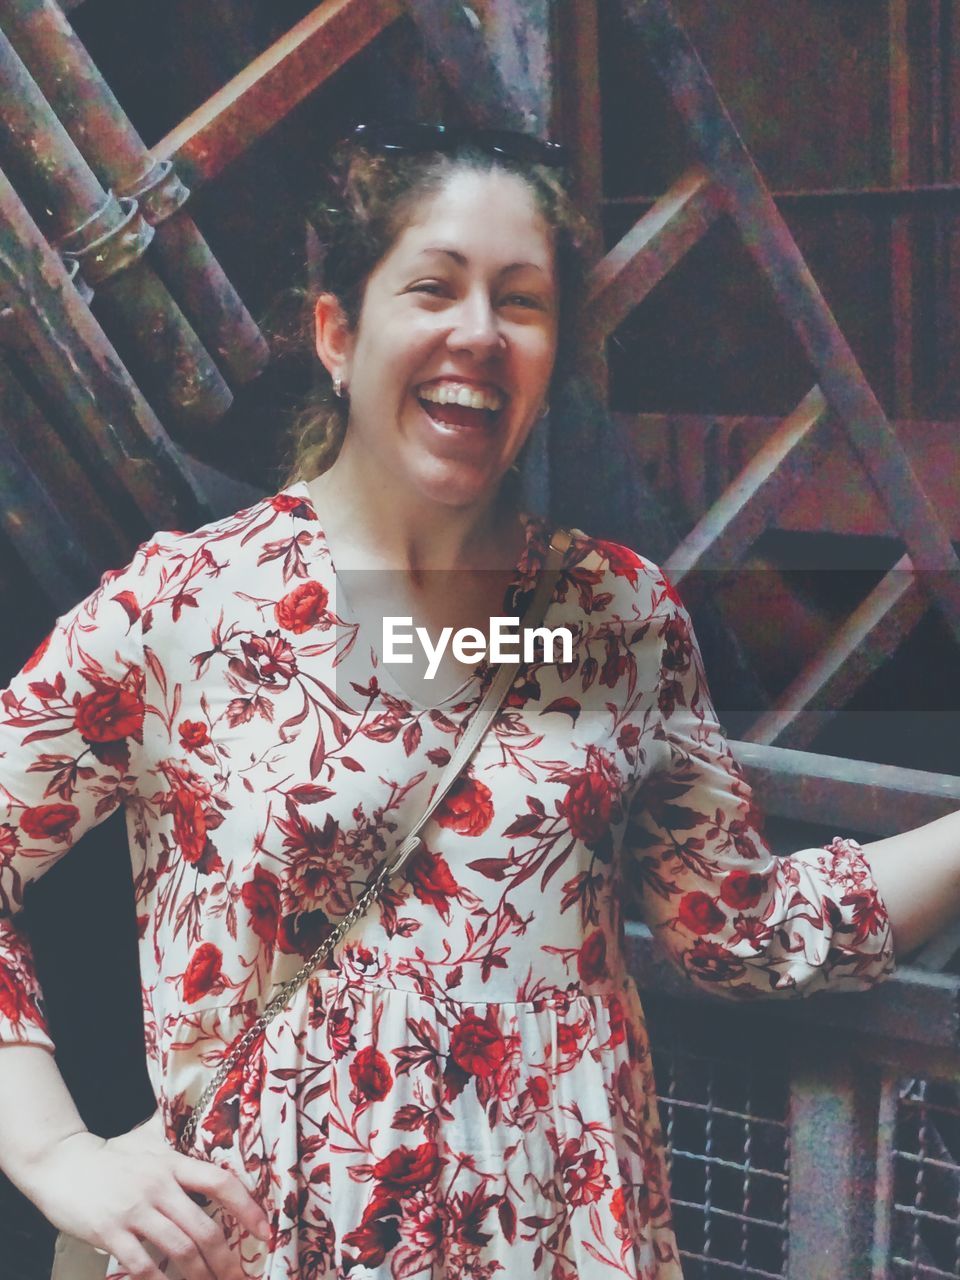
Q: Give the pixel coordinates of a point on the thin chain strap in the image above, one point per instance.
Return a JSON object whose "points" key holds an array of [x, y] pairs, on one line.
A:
{"points": [[287, 990]]}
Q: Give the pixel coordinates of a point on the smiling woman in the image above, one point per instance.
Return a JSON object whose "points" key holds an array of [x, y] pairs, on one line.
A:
{"points": [[464, 1086]]}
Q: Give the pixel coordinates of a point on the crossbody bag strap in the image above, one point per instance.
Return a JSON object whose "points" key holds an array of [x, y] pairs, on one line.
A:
{"points": [[477, 727]]}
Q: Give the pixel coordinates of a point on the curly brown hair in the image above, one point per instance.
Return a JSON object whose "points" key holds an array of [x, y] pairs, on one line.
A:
{"points": [[371, 200]]}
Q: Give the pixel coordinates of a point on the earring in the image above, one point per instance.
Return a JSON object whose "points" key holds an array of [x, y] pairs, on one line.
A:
{"points": [[338, 386], [544, 411]]}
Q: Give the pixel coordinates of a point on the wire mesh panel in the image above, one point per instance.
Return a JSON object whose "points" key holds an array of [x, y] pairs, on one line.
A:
{"points": [[723, 1106], [926, 1209]]}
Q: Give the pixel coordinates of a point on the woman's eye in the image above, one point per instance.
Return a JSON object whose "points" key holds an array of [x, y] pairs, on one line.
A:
{"points": [[522, 300], [433, 288]]}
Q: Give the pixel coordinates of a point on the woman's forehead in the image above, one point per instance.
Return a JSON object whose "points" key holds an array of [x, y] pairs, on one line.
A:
{"points": [[485, 215]]}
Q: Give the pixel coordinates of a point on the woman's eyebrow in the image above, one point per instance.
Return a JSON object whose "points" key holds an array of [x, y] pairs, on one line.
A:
{"points": [[461, 260]]}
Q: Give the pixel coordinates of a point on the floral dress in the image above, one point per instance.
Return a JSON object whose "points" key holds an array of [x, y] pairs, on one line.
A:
{"points": [[466, 1090]]}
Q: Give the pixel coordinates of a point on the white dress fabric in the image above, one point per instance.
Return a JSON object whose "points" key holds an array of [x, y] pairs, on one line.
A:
{"points": [[466, 1091]]}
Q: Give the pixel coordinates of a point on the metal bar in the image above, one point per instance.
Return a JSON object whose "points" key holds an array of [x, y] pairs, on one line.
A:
{"points": [[906, 194], [110, 424], [914, 1010], [94, 119], [749, 506], [519, 35], [36, 529], [266, 91], [109, 239], [901, 228], [651, 248], [834, 1101], [768, 241], [852, 795], [868, 638], [673, 450]]}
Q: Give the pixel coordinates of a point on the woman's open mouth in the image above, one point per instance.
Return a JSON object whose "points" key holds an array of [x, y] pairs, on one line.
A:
{"points": [[454, 405]]}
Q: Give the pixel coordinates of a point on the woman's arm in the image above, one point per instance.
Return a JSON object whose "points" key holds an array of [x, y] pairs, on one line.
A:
{"points": [[918, 875]]}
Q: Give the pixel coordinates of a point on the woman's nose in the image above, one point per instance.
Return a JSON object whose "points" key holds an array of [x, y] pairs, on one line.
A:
{"points": [[477, 327]]}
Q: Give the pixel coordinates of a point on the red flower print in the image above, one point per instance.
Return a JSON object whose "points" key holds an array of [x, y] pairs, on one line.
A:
{"points": [[203, 972], [189, 824], [539, 1090], [110, 713], [432, 880], [371, 1075], [623, 562], [592, 801], [38, 653], [193, 734], [592, 959], [869, 914], [261, 897], [677, 645], [476, 1046], [302, 932], [269, 660], [373, 1240], [408, 1169], [287, 502], [742, 890], [13, 997], [618, 1206], [700, 914], [617, 1021], [303, 607], [9, 841], [49, 821], [711, 962], [584, 1177], [467, 807]]}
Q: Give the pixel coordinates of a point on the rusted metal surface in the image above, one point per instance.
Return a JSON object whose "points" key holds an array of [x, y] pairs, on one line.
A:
{"points": [[272, 85], [91, 114], [651, 24], [833, 1105], [108, 237], [518, 35], [453, 34], [35, 528], [694, 457], [750, 505], [578, 87], [901, 227], [109, 422], [849, 795], [652, 248], [872, 633]]}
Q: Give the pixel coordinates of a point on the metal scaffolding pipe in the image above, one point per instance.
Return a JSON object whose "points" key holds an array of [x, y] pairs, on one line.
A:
{"points": [[95, 120], [112, 427], [108, 237]]}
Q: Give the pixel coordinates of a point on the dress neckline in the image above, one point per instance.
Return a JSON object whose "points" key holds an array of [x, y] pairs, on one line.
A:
{"points": [[516, 596]]}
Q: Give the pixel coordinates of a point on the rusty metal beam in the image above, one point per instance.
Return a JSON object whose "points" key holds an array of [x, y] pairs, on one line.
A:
{"points": [[868, 638], [901, 227], [750, 504], [651, 248], [35, 526], [453, 35], [651, 25], [261, 95], [671, 448], [850, 795], [110, 424], [109, 240], [94, 119]]}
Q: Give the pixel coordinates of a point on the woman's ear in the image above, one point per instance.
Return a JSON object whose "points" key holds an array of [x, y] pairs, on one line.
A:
{"points": [[334, 337]]}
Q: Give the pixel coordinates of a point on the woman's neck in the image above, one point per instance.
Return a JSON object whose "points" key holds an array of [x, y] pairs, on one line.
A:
{"points": [[370, 518]]}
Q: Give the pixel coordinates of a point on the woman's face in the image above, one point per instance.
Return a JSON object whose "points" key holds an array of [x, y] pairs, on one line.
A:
{"points": [[450, 364]]}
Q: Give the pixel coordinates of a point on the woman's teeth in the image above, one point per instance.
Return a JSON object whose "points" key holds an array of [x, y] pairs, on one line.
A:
{"points": [[466, 397]]}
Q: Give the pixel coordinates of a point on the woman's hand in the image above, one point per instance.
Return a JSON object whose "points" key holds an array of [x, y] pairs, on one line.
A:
{"points": [[135, 1193]]}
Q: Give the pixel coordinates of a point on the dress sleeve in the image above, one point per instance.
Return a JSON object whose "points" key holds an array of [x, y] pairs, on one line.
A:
{"points": [[735, 917], [71, 722]]}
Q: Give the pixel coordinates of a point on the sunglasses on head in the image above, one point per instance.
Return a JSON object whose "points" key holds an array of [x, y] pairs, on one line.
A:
{"points": [[522, 147]]}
